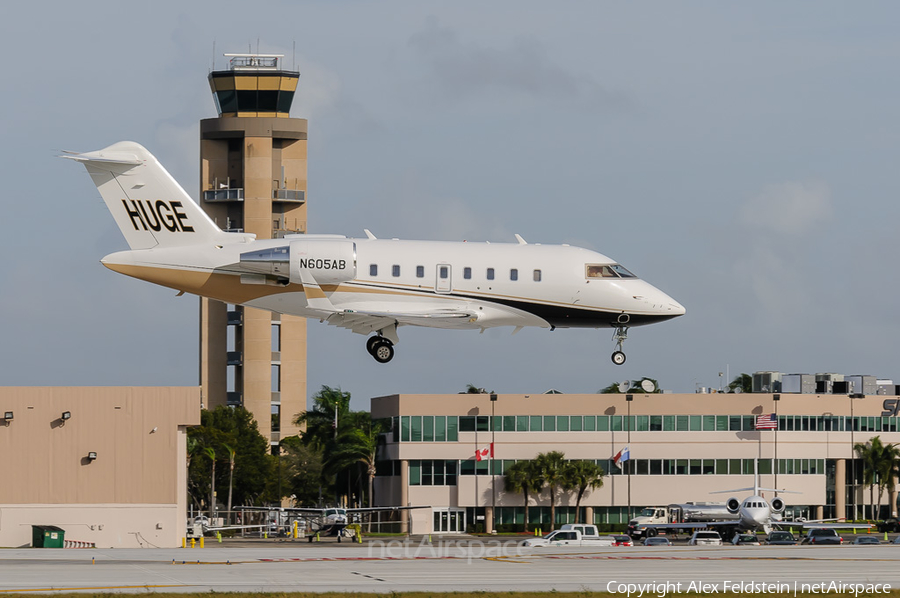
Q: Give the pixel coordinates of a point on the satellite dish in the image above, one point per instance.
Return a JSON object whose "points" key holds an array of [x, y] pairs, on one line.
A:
{"points": [[624, 385], [738, 389], [648, 385]]}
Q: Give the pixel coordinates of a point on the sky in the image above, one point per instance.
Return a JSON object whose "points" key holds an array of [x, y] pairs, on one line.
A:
{"points": [[742, 157]]}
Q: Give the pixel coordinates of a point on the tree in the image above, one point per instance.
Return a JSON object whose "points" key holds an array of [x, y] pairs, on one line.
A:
{"points": [[473, 390], [580, 476], [320, 425], [870, 454], [889, 457], [550, 467], [522, 477], [358, 445], [231, 453], [301, 471], [253, 464], [634, 387], [212, 481], [744, 382]]}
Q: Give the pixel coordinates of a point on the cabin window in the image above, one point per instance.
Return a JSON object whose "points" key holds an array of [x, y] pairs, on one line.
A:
{"points": [[373, 269], [490, 274], [395, 270], [467, 273], [537, 276], [420, 271], [514, 274]]}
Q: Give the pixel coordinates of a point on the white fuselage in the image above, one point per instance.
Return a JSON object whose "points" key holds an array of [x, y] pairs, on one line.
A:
{"points": [[500, 284]]}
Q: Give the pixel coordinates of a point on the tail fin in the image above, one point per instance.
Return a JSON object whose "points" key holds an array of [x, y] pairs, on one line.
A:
{"points": [[150, 207]]}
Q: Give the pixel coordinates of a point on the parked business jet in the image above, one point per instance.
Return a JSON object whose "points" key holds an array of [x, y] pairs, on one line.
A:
{"points": [[370, 286]]}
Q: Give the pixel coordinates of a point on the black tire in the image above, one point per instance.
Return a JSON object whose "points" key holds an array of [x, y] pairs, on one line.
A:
{"points": [[383, 351], [370, 344], [651, 532], [618, 357]]}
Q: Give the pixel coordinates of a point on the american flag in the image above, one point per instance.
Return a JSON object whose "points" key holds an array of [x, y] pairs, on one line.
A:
{"points": [[766, 422]]}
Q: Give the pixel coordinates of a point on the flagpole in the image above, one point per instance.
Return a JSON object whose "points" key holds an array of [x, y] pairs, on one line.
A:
{"points": [[775, 399], [628, 399]]}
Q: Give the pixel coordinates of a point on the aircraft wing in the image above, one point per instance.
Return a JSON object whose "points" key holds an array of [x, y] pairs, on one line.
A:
{"points": [[687, 525], [376, 509], [826, 523], [366, 322]]}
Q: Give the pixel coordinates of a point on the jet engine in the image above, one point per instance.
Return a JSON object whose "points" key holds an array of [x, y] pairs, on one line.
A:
{"points": [[733, 505], [777, 505]]}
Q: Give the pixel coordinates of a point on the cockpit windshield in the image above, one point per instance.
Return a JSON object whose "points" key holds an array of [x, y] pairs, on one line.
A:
{"points": [[607, 271]]}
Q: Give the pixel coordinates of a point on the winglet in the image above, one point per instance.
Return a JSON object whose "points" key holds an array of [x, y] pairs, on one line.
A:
{"points": [[369, 234], [521, 240]]}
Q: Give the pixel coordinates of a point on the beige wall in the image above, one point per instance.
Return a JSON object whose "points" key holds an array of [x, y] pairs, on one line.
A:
{"points": [[136, 485]]}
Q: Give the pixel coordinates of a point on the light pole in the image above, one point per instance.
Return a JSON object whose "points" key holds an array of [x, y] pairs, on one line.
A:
{"points": [[775, 399], [493, 470], [628, 399]]}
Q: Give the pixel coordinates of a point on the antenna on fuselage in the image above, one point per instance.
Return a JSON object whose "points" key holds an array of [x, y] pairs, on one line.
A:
{"points": [[521, 240], [369, 234]]}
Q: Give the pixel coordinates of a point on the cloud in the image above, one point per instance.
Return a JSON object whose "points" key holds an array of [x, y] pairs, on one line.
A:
{"points": [[522, 68], [790, 208]]}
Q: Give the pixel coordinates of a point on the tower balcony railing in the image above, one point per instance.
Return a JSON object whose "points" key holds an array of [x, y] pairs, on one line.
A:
{"points": [[227, 194], [293, 195]]}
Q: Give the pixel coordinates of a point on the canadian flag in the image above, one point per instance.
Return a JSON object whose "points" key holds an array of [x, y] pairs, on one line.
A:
{"points": [[485, 453]]}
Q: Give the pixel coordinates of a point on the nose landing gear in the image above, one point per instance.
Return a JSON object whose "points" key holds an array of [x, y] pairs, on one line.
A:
{"points": [[380, 348], [619, 335]]}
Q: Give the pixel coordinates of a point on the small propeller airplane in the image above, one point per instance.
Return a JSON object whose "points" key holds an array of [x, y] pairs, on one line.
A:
{"points": [[328, 521], [371, 286]]}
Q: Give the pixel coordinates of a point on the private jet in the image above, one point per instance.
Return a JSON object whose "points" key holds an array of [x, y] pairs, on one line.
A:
{"points": [[370, 286]]}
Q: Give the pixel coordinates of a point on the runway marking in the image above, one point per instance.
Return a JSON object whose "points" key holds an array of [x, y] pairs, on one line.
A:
{"points": [[77, 588], [364, 575]]}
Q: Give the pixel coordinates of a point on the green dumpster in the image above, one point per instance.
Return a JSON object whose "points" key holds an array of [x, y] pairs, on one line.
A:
{"points": [[47, 536]]}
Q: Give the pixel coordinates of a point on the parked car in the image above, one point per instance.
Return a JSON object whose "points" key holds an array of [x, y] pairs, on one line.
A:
{"points": [[705, 538], [779, 538], [823, 535], [889, 525], [622, 540], [866, 540], [745, 540], [659, 541]]}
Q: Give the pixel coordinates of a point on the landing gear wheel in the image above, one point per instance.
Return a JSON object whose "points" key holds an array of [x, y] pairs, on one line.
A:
{"points": [[383, 350], [370, 344], [619, 335]]}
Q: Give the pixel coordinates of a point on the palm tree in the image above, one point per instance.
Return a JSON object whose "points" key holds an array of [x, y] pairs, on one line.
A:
{"points": [[550, 467], [322, 423], [582, 475], [890, 455], [212, 481], [870, 455], [357, 445], [231, 453], [522, 477]]}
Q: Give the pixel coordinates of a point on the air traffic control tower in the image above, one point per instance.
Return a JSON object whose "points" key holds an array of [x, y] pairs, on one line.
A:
{"points": [[253, 179]]}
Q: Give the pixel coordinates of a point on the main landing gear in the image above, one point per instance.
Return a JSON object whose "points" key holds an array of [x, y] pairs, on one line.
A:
{"points": [[380, 348], [619, 335]]}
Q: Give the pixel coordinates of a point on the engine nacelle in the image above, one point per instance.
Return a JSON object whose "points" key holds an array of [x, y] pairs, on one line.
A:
{"points": [[329, 261], [777, 505], [733, 505]]}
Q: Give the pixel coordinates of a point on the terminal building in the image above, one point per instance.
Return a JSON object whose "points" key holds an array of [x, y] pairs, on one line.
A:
{"points": [[683, 447]]}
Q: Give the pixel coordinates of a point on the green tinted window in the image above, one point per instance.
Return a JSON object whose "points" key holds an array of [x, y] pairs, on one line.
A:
{"points": [[452, 428], [562, 423], [404, 428], [549, 423], [416, 427], [536, 422], [440, 428], [575, 423], [590, 423], [521, 423], [603, 423], [428, 428]]}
